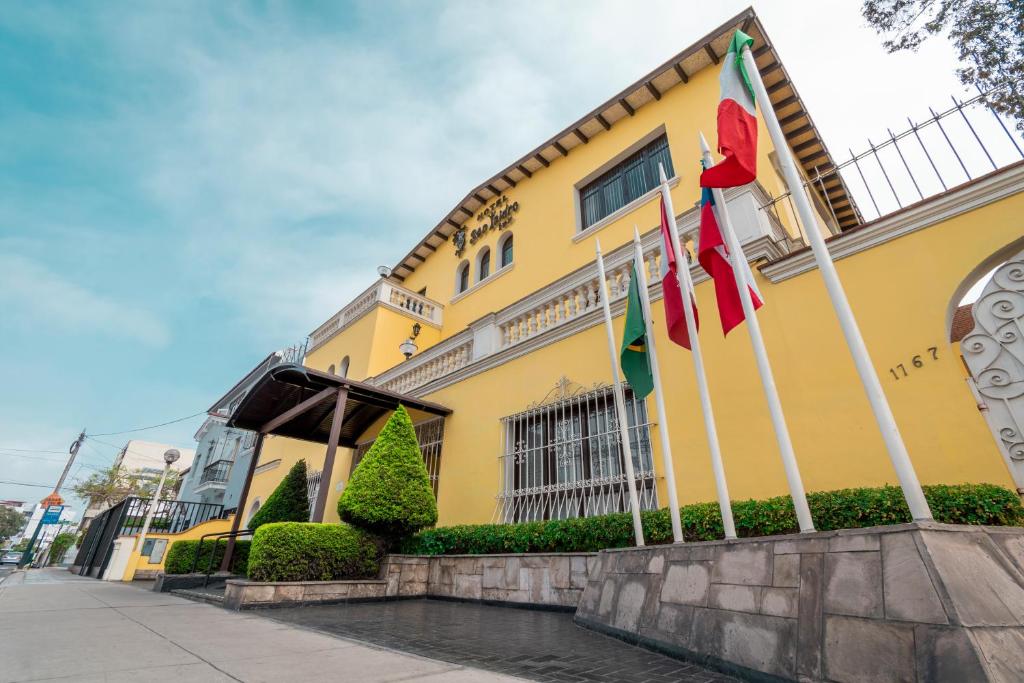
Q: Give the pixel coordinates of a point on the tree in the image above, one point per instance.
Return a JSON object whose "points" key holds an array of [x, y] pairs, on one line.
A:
{"points": [[110, 486], [986, 34], [389, 494], [60, 544], [11, 522], [288, 503]]}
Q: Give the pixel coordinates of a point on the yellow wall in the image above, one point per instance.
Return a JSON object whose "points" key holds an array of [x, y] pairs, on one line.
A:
{"points": [[899, 291], [139, 563]]}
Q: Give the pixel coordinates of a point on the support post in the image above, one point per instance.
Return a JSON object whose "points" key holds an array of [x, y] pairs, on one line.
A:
{"points": [[659, 397], [620, 403], [686, 288], [912, 491], [332, 447], [225, 564], [764, 367]]}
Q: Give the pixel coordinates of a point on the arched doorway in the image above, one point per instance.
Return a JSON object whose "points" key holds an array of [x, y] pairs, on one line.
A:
{"points": [[993, 352]]}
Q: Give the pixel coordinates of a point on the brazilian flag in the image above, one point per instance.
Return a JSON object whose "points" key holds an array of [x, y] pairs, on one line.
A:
{"points": [[636, 365]]}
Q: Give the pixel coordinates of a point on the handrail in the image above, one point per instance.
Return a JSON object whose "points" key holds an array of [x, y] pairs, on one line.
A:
{"points": [[199, 548]]}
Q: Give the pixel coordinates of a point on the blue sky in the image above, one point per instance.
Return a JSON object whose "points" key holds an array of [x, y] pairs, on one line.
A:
{"points": [[186, 186]]}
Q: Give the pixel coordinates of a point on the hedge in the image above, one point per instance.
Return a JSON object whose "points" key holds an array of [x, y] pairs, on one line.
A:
{"points": [[304, 551], [843, 509], [288, 503], [389, 494], [181, 553]]}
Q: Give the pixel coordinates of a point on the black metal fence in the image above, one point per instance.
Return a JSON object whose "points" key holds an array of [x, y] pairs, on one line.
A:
{"points": [[127, 518]]}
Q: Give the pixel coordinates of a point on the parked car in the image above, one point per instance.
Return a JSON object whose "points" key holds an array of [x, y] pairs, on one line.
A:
{"points": [[10, 558]]}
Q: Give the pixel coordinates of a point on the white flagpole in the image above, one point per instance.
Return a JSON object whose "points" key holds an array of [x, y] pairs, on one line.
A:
{"points": [[764, 368], [869, 378], [659, 397], [620, 402], [686, 286]]}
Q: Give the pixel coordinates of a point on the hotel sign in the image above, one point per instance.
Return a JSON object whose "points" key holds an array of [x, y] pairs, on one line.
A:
{"points": [[497, 216]]}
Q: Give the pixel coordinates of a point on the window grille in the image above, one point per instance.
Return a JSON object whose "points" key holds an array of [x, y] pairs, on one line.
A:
{"points": [[430, 436], [564, 459], [626, 181], [312, 490]]}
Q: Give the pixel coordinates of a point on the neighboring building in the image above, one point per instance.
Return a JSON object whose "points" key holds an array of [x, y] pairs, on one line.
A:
{"points": [[48, 531], [26, 510], [223, 454], [503, 292], [147, 459]]}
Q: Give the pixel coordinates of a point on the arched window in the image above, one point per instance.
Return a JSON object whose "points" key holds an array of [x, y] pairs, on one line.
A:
{"points": [[462, 277], [253, 509], [343, 367], [505, 250], [483, 264], [330, 369]]}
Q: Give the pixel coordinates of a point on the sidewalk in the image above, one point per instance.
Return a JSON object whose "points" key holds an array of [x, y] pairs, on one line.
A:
{"points": [[60, 627]]}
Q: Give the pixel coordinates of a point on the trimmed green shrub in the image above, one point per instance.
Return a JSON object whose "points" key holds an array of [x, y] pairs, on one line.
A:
{"points": [[389, 494], [288, 503], [305, 551], [181, 554], [843, 509]]}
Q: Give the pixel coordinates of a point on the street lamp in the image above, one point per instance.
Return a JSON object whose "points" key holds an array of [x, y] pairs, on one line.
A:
{"points": [[171, 456], [383, 271]]}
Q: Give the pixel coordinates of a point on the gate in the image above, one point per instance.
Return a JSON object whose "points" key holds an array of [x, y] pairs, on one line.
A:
{"points": [[126, 519], [994, 354]]}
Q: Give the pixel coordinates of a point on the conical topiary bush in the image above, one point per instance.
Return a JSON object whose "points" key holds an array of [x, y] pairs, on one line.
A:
{"points": [[389, 494], [288, 503]]}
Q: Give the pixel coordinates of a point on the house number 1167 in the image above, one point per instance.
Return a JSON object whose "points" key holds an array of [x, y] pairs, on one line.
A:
{"points": [[900, 371]]}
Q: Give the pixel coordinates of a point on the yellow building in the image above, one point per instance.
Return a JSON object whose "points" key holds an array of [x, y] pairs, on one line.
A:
{"points": [[500, 300]]}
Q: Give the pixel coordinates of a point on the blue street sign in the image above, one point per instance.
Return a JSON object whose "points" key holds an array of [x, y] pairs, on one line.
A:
{"points": [[52, 514]]}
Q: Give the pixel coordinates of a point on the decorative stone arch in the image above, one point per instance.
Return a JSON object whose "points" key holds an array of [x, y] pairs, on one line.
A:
{"points": [[505, 244], [483, 264], [343, 367], [993, 350]]}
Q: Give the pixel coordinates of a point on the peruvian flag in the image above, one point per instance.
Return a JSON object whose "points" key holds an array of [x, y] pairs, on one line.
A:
{"points": [[675, 317], [737, 122], [714, 257]]}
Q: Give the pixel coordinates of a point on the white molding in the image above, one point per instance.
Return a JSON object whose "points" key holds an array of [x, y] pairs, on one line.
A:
{"points": [[483, 283], [267, 466], [619, 213], [932, 211]]}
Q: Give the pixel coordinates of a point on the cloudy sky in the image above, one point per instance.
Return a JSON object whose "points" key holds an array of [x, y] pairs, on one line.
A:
{"points": [[187, 186]]}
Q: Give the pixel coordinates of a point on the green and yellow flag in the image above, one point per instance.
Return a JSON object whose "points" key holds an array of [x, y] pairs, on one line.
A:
{"points": [[636, 364]]}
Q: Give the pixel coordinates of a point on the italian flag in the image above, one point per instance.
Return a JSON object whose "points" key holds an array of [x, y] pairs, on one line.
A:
{"points": [[737, 122], [635, 363]]}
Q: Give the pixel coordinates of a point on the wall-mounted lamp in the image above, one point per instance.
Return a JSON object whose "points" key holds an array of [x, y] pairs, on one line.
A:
{"points": [[408, 347]]}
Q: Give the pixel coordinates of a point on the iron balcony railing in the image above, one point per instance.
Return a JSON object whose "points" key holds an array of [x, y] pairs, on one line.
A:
{"points": [[169, 516], [216, 472]]}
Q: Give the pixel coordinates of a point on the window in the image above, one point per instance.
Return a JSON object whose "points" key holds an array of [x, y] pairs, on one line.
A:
{"points": [[483, 264], [343, 367], [253, 509], [429, 435], [505, 249], [564, 459], [630, 179], [462, 278]]}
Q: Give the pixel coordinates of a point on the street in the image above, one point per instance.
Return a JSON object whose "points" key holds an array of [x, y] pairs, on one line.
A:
{"points": [[55, 626]]}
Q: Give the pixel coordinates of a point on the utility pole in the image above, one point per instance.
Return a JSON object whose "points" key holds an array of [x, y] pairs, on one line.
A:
{"points": [[54, 498]]}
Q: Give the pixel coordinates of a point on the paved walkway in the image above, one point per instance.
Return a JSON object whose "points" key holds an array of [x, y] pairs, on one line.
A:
{"points": [[58, 627], [537, 645]]}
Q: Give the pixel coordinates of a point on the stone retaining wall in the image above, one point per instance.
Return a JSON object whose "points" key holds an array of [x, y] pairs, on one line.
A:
{"points": [[240, 594], [554, 580], [913, 602]]}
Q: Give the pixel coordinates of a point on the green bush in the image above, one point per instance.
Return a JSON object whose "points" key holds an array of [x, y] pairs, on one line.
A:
{"points": [[303, 551], [389, 494], [60, 545], [843, 509], [288, 503], [181, 554]]}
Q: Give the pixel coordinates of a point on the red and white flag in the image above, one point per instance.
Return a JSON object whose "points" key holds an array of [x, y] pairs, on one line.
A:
{"points": [[737, 122], [675, 316], [715, 258]]}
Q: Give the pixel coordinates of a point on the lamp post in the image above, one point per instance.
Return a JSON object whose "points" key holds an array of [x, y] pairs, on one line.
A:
{"points": [[171, 456]]}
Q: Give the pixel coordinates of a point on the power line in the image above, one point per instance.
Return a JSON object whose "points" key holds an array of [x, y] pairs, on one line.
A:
{"points": [[25, 483], [29, 450], [142, 429]]}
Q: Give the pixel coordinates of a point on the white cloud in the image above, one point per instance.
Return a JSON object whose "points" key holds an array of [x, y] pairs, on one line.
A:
{"points": [[44, 299]]}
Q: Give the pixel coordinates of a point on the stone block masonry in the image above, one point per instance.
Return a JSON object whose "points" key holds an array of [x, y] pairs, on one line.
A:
{"points": [[913, 602]]}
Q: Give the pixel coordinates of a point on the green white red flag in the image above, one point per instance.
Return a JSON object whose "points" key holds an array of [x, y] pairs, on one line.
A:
{"points": [[737, 122]]}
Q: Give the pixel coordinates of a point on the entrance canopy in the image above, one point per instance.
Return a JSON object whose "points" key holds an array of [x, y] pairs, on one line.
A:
{"points": [[300, 403]]}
